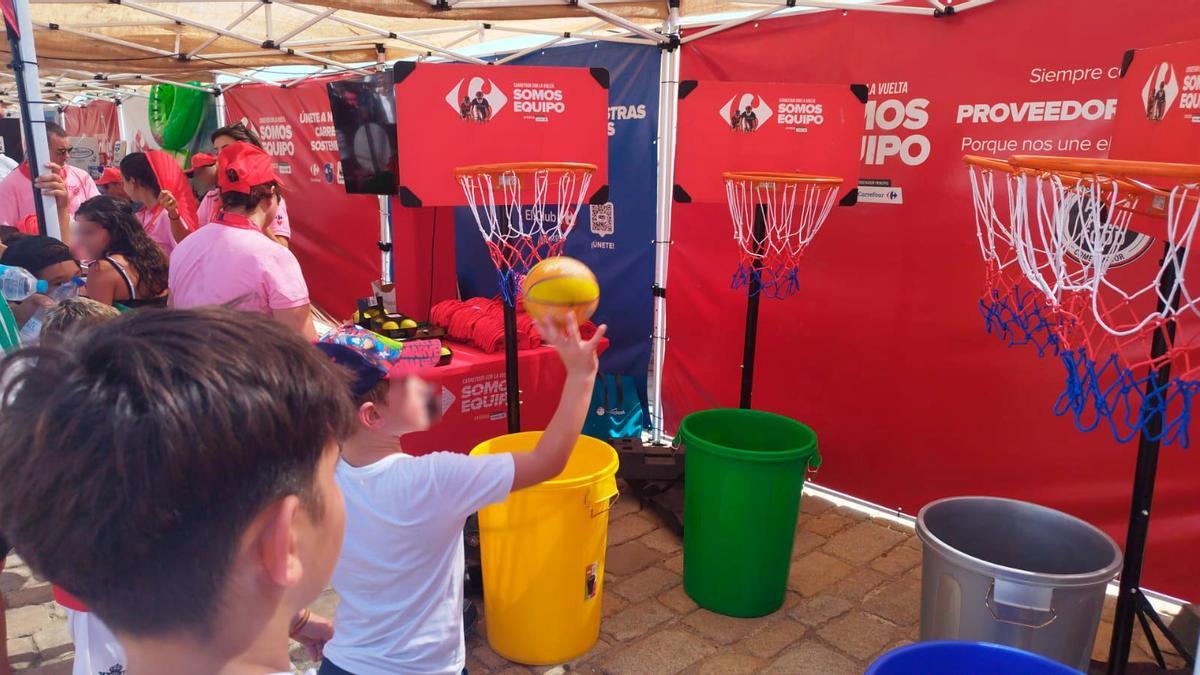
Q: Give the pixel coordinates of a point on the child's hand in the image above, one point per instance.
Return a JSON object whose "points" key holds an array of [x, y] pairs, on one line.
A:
{"points": [[314, 635], [578, 355]]}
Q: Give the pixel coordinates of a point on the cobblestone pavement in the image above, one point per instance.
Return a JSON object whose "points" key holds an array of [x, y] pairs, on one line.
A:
{"points": [[853, 593]]}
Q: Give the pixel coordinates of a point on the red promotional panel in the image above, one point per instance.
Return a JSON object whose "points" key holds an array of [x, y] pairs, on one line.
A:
{"points": [[1159, 105], [883, 351], [765, 127], [334, 235], [473, 398], [454, 115]]}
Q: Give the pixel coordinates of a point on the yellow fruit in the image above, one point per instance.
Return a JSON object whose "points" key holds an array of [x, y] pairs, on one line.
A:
{"points": [[390, 325], [446, 351], [408, 323]]}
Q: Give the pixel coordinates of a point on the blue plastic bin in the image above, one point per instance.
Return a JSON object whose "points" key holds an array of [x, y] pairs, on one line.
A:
{"points": [[963, 658]]}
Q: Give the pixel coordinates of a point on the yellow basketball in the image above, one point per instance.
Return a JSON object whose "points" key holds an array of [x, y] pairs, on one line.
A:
{"points": [[556, 287]]}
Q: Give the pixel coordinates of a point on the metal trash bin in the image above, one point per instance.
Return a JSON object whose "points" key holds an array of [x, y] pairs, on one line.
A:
{"points": [[1014, 573]]}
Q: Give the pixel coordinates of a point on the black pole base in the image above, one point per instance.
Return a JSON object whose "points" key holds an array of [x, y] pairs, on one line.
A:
{"points": [[754, 295], [511, 366]]}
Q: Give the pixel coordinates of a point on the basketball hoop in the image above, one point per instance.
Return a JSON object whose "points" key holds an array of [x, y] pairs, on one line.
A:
{"points": [[1013, 308], [1118, 333], [775, 217], [524, 210]]}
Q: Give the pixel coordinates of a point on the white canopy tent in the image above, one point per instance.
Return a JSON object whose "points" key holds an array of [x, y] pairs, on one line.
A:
{"points": [[101, 48], [115, 49]]}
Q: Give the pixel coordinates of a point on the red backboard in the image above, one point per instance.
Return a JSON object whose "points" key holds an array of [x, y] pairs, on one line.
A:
{"points": [[1158, 112], [451, 114], [766, 126]]}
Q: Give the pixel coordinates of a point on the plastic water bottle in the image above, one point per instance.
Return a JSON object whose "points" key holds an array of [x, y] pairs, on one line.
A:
{"points": [[69, 289], [18, 283], [32, 330]]}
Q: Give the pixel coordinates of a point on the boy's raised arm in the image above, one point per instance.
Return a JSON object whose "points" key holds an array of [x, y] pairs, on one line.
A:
{"points": [[550, 455]]}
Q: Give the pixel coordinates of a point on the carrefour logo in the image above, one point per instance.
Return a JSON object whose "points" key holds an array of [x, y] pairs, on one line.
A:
{"points": [[478, 100], [746, 113], [1160, 91]]}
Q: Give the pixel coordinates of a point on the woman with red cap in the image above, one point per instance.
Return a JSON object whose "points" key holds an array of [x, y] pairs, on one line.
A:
{"points": [[168, 211], [233, 260], [281, 230]]}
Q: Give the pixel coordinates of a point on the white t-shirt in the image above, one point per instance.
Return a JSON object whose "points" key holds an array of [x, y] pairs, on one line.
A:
{"points": [[400, 575], [7, 166]]}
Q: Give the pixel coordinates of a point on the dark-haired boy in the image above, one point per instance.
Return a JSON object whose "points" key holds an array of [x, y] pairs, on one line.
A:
{"points": [[400, 576], [174, 470]]}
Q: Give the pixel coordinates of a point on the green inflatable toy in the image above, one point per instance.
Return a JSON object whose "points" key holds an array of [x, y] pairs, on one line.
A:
{"points": [[176, 114]]}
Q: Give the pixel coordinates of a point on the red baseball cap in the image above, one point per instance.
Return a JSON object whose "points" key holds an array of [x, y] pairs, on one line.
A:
{"points": [[241, 166], [199, 161], [111, 175]]}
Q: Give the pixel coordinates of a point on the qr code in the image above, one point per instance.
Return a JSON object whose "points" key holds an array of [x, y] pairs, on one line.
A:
{"points": [[602, 219]]}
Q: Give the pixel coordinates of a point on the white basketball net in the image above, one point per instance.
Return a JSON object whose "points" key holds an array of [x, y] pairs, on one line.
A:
{"points": [[1073, 235], [524, 214], [791, 211]]}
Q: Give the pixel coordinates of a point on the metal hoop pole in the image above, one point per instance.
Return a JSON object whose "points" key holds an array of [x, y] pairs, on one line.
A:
{"points": [[749, 347], [1131, 602], [511, 358]]}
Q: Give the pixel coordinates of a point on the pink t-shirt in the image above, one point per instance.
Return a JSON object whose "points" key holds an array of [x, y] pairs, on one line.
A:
{"points": [[158, 225], [211, 205], [230, 260], [16, 195]]}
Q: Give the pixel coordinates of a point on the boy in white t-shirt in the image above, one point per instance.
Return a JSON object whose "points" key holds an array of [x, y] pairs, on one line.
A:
{"points": [[400, 574]]}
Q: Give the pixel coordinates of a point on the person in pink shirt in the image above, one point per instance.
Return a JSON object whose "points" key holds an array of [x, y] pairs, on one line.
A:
{"points": [[281, 230], [16, 190], [232, 260], [112, 184], [203, 172], [168, 212]]}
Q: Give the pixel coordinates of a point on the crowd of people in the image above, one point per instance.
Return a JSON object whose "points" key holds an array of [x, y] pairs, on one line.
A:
{"points": [[137, 236], [189, 471]]}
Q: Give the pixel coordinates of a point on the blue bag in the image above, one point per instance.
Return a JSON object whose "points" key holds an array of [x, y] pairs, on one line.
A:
{"points": [[616, 410]]}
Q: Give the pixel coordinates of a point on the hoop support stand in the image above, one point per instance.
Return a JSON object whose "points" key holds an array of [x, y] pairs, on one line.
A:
{"points": [[753, 294], [1131, 601], [512, 361]]}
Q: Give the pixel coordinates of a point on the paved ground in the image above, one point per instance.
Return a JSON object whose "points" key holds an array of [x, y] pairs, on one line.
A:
{"points": [[853, 593]]}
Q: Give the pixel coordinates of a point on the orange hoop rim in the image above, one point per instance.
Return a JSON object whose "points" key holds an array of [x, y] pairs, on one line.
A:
{"points": [[1026, 166], [780, 177], [522, 168], [993, 163], [1116, 168]]}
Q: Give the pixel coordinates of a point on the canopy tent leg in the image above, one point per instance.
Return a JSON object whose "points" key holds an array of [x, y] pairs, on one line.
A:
{"points": [[33, 116], [668, 100]]}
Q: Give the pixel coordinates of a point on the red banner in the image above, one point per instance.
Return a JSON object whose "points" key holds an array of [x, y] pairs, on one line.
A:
{"points": [[335, 235], [814, 129], [883, 350], [451, 115]]}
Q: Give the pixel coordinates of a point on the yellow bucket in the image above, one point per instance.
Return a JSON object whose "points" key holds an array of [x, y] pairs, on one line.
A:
{"points": [[543, 555]]}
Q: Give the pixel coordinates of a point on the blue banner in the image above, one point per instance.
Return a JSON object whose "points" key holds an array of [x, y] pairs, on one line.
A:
{"points": [[613, 239]]}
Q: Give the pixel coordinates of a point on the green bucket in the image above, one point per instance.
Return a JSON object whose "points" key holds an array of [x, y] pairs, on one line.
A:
{"points": [[744, 471]]}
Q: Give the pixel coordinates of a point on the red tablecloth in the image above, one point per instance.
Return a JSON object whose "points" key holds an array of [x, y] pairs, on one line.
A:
{"points": [[473, 397]]}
